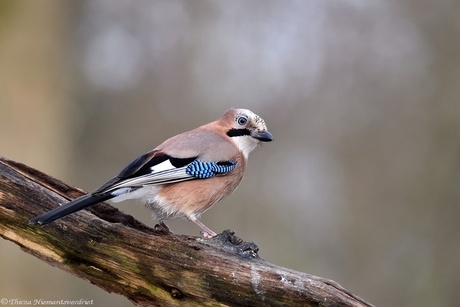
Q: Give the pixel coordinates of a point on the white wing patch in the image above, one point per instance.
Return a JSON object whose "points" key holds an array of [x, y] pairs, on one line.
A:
{"points": [[163, 166]]}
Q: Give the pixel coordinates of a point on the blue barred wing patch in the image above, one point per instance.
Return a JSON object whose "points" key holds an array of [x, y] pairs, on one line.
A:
{"points": [[203, 170]]}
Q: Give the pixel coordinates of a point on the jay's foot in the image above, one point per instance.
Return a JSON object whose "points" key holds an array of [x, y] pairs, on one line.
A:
{"points": [[162, 228]]}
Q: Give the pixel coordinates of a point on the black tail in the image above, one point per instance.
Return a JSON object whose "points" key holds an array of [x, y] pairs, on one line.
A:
{"points": [[71, 207]]}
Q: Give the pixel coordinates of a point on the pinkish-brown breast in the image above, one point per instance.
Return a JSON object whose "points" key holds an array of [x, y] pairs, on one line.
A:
{"points": [[203, 193]]}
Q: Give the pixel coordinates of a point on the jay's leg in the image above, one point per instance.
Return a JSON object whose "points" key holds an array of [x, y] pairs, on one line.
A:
{"points": [[206, 232]]}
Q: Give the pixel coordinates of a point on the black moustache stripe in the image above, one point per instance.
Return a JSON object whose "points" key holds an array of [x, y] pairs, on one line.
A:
{"points": [[238, 132]]}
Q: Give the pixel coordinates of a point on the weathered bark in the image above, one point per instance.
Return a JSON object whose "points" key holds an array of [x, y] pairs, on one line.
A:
{"points": [[119, 254]]}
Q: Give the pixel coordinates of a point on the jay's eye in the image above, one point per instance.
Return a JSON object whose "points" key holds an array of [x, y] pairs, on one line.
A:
{"points": [[241, 120]]}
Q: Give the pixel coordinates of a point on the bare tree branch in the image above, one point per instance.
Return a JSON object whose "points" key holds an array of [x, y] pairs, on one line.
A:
{"points": [[119, 254]]}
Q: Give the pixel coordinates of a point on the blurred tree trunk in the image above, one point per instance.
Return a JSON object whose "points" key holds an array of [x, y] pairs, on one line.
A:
{"points": [[35, 89], [121, 255], [36, 107]]}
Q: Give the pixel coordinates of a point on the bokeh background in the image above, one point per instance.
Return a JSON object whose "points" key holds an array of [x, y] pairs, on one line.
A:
{"points": [[362, 183]]}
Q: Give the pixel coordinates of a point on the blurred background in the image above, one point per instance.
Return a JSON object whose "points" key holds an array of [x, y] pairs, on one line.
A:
{"points": [[362, 182]]}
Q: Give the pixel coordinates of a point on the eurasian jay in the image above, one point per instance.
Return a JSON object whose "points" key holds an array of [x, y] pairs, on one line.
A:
{"points": [[185, 175]]}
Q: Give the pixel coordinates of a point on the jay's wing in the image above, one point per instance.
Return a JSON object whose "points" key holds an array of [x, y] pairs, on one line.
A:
{"points": [[156, 167], [151, 168]]}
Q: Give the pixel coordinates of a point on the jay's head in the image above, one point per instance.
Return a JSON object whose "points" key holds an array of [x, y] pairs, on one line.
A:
{"points": [[246, 129]]}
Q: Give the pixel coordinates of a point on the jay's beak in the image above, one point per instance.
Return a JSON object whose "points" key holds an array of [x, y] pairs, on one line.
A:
{"points": [[263, 136]]}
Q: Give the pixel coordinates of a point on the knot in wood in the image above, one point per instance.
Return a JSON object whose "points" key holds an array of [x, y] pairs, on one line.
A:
{"points": [[176, 293]]}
